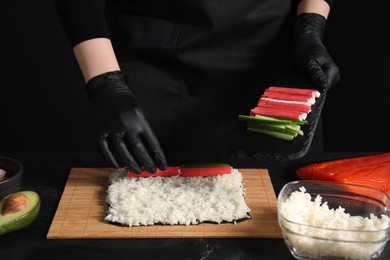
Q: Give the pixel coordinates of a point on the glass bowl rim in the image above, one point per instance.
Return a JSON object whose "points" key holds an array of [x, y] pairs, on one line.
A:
{"points": [[333, 229], [332, 183], [382, 240]]}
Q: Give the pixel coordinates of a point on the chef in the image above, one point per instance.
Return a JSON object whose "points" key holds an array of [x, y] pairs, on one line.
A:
{"points": [[174, 75]]}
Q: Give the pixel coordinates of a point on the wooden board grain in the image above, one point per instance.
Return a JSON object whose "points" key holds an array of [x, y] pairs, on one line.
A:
{"points": [[82, 208]]}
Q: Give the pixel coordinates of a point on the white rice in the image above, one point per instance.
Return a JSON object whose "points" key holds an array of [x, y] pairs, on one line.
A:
{"points": [[339, 234], [140, 201]]}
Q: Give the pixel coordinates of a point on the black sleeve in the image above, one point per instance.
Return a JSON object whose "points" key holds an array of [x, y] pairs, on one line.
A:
{"points": [[82, 19]]}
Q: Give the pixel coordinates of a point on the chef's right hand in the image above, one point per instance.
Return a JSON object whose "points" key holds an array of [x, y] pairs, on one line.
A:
{"points": [[124, 136]]}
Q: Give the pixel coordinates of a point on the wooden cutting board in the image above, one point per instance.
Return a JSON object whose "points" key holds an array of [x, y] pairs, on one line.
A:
{"points": [[82, 208]]}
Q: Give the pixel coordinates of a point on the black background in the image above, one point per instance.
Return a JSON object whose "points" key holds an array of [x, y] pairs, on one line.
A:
{"points": [[43, 107]]}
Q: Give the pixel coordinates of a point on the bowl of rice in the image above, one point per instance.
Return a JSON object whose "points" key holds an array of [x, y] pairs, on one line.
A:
{"points": [[333, 220]]}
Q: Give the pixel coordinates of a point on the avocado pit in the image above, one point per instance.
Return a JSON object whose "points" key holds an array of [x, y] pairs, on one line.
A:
{"points": [[15, 203]]}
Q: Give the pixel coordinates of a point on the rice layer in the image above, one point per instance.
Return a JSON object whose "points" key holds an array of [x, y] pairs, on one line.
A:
{"points": [[175, 200]]}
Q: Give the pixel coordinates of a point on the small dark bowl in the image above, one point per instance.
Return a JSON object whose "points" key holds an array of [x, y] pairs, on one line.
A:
{"points": [[13, 177]]}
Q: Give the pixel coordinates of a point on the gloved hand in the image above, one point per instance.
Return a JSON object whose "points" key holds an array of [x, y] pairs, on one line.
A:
{"points": [[310, 54], [124, 136]]}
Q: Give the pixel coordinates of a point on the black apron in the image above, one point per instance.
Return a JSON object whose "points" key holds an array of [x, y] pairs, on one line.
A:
{"points": [[196, 65]]}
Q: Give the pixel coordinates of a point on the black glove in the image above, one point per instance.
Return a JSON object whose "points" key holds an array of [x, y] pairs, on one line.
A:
{"points": [[310, 54], [124, 136]]}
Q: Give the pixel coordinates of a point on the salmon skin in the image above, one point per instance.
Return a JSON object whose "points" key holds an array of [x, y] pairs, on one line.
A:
{"points": [[369, 170]]}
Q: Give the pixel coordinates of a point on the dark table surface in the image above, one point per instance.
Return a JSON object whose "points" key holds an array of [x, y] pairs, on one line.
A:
{"points": [[47, 174]]}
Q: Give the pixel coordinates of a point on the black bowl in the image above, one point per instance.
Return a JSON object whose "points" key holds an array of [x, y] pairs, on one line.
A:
{"points": [[13, 177]]}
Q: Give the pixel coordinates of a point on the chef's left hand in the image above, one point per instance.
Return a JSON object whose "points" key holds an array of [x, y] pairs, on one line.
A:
{"points": [[310, 54]]}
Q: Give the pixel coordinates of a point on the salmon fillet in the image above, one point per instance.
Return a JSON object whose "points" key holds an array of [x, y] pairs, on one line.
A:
{"points": [[370, 170]]}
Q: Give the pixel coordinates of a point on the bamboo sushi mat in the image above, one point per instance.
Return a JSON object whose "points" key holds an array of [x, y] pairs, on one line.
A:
{"points": [[82, 208]]}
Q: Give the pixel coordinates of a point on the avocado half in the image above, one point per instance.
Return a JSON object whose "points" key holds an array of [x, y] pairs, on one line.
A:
{"points": [[18, 210]]}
